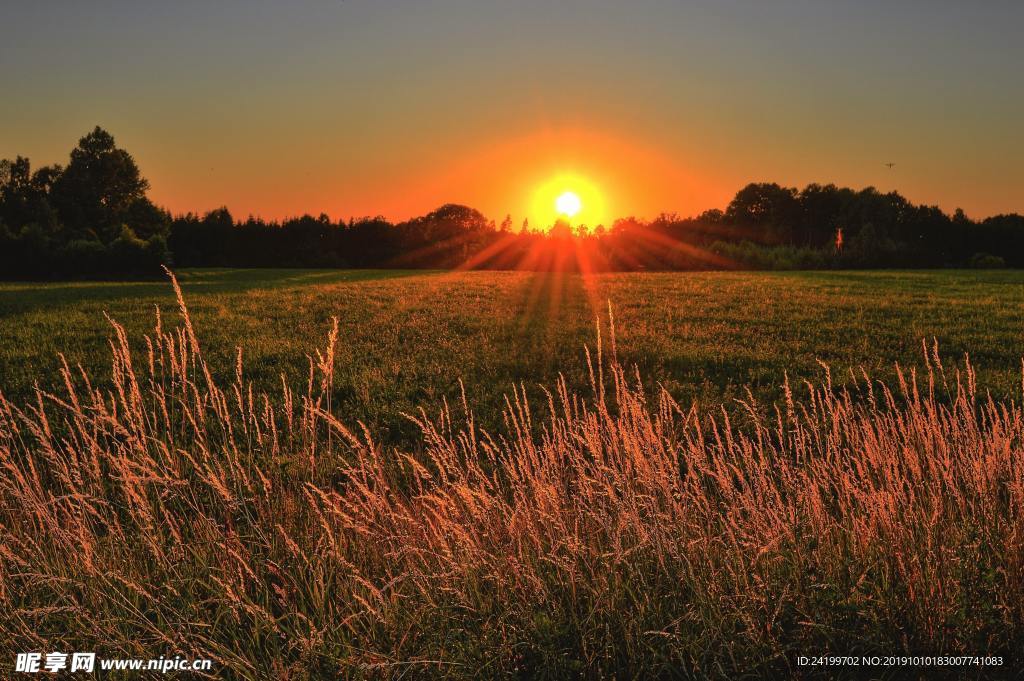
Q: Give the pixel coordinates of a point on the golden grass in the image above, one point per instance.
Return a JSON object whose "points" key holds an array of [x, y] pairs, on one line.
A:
{"points": [[613, 534]]}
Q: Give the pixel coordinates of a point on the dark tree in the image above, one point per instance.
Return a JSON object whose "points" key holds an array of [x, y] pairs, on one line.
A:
{"points": [[24, 196], [96, 192], [770, 210], [91, 218], [445, 237]]}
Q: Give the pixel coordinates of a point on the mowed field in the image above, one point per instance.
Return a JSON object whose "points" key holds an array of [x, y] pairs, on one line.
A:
{"points": [[406, 339]]}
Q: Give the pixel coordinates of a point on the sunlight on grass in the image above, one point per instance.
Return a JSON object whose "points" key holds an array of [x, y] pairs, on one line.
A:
{"points": [[603, 534]]}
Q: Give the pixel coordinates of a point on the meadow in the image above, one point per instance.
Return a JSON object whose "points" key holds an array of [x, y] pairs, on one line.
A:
{"points": [[564, 504], [406, 339]]}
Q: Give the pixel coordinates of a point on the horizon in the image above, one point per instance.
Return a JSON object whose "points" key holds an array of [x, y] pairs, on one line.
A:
{"points": [[359, 109], [545, 228]]}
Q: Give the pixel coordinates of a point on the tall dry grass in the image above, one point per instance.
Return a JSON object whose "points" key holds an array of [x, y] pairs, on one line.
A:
{"points": [[616, 534]]}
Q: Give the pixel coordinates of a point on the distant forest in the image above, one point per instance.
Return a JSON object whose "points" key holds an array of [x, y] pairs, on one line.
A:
{"points": [[92, 218]]}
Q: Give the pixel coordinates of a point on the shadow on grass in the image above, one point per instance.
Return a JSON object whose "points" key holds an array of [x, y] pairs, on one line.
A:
{"points": [[18, 296]]}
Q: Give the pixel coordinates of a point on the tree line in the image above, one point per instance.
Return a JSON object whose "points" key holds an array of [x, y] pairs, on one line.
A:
{"points": [[92, 218]]}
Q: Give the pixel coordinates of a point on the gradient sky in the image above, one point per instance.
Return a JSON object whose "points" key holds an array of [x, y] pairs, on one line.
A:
{"points": [[364, 107]]}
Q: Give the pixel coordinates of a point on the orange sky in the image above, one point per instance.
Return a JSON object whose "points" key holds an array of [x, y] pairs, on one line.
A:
{"points": [[614, 177], [363, 108]]}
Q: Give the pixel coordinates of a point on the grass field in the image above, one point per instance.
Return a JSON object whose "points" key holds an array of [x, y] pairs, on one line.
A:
{"points": [[406, 338], [597, 527]]}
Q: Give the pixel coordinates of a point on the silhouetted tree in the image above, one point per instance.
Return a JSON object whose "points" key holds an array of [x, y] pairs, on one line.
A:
{"points": [[442, 238], [91, 218], [774, 210], [98, 188]]}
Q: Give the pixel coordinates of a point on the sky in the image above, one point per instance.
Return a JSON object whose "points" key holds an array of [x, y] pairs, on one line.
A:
{"points": [[394, 107]]}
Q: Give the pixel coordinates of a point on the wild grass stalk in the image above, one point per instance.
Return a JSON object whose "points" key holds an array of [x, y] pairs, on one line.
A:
{"points": [[613, 534]]}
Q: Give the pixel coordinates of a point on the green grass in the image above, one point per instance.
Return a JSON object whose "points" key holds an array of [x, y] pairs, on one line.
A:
{"points": [[407, 337], [609, 533]]}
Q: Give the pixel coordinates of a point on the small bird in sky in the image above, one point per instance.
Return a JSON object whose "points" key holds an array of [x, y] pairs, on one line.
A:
{"points": [[889, 165]]}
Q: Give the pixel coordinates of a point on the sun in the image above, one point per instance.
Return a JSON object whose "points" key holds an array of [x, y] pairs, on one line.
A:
{"points": [[567, 196], [568, 204]]}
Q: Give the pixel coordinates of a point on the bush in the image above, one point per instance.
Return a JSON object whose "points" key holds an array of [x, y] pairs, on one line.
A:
{"points": [[748, 255], [986, 261], [86, 257], [128, 254]]}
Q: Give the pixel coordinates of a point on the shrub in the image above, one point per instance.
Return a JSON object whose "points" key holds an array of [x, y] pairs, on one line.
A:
{"points": [[986, 261]]}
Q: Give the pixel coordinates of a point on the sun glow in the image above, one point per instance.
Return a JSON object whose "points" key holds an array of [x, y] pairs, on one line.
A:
{"points": [[568, 197], [568, 204]]}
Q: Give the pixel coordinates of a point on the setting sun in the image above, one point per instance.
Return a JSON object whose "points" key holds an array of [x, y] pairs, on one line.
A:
{"points": [[567, 196], [568, 204]]}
